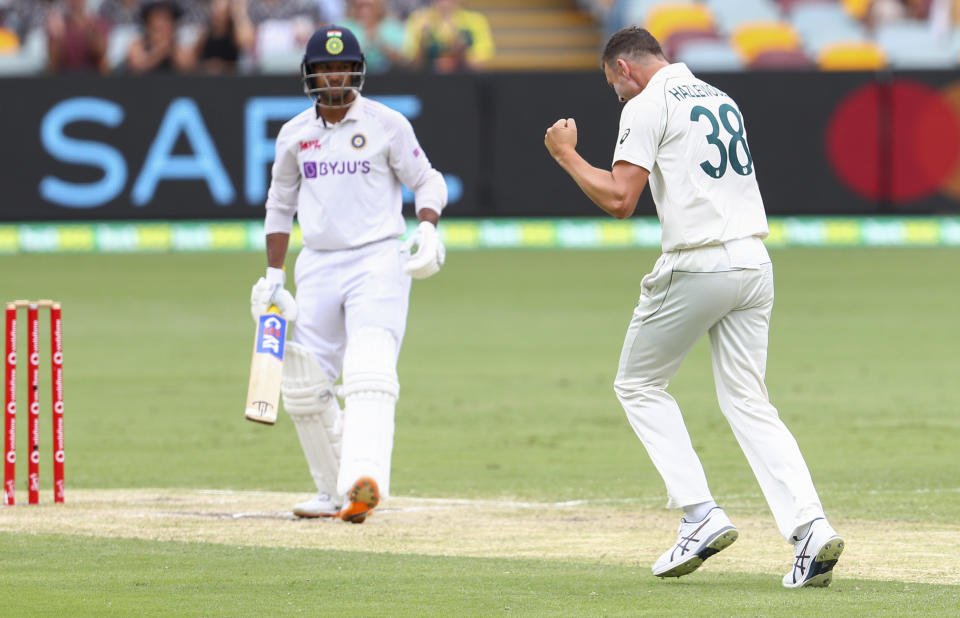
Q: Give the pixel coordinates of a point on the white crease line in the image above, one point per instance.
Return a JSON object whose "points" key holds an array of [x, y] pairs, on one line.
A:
{"points": [[235, 492], [570, 503]]}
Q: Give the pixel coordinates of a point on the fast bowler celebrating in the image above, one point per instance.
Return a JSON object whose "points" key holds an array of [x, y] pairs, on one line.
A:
{"points": [[339, 167], [714, 277]]}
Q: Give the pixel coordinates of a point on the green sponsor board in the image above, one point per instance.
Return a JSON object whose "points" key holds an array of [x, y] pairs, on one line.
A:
{"points": [[162, 236]]}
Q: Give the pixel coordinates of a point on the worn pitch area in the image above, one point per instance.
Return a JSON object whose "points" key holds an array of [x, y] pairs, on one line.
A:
{"points": [[608, 533]]}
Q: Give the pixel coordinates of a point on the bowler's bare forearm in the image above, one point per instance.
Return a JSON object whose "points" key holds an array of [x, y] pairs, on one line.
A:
{"points": [[277, 244], [616, 192]]}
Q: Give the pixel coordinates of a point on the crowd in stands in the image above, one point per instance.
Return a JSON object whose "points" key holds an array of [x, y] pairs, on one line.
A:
{"points": [[268, 36], [225, 36], [732, 35]]}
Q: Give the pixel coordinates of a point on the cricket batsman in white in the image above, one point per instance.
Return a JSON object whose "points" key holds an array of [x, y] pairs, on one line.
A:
{"points": [[339, 168], [714, 277]]}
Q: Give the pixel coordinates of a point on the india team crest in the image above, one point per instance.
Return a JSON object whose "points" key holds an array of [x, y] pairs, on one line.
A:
{"points": [[358, 141], [334, 43]]}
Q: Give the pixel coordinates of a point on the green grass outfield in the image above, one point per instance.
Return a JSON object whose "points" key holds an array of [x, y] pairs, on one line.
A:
{"points": [[506, 377]]}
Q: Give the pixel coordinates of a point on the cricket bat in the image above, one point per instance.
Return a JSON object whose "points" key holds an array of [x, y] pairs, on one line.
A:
{"points": [[266, 368]]}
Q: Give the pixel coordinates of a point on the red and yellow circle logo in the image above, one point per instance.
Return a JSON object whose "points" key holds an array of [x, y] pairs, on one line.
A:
{"points": [[898, 141]]}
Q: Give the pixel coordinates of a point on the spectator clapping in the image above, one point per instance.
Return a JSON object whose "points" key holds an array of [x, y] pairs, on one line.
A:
{"points": [[446, 38], [76, 38], [157, 50], [380, 35], [227, 36]]}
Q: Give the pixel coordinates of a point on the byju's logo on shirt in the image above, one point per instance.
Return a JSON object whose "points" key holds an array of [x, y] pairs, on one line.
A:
{"points": [[313, 169]]}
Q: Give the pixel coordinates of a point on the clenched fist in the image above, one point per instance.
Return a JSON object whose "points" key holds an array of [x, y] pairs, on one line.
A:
{"points": [[561, 137]]}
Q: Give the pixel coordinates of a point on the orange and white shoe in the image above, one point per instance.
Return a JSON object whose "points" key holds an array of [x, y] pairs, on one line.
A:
{"points": [[363, 497]]}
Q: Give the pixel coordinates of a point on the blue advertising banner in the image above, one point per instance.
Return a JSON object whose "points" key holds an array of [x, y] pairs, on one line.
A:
{"points": [[80, 148]]}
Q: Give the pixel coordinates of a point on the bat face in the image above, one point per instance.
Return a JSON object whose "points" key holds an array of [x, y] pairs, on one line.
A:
{"points": [[266, 368]]}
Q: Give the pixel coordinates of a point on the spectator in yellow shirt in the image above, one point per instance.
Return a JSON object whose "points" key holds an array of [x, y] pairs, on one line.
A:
{"points": [[445, 38]]}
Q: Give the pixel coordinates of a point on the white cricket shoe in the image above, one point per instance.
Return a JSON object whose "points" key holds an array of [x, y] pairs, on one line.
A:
{"points": [[816, 553], [320, 505], [696, 541]]}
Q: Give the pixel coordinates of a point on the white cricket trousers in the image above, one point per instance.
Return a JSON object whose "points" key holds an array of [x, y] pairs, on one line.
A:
{"points": [[347, 299], [725, 291], [340, 292]]}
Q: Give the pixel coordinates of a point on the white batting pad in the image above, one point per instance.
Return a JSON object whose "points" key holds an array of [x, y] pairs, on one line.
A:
{"points": [[371, 389], [309, 400]]}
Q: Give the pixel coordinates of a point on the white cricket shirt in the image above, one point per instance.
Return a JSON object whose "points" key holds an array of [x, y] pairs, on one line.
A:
{"points": [[690, 136], [343, 180]]}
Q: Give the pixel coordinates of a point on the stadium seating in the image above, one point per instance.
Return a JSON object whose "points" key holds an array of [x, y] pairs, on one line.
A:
{"points": [[29, 58], [635, 11], [822, 23], [830, 34], [788, 6], [809, 17], [816, 40], [833, 35], [710, 56], [9, 42], [856, 56], [856, 8], [755, 37], [778, 59], [666, 19], [730, 14], [680, 39], [911, 45], [541, 34]]}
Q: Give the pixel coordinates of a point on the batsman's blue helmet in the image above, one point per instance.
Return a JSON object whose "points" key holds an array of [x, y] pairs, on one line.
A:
{"points": [[331, 44]]}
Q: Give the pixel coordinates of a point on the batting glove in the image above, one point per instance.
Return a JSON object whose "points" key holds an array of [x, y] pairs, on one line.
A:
{"points": [[268, 291], [430, 252]]}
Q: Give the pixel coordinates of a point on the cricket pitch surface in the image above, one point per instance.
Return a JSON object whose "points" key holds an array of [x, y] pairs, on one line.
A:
{"points": [[588, 532]]}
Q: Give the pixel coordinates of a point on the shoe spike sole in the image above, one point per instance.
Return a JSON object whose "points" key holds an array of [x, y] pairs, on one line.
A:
{"points": [[724, 540], [364, 497], [823, 564]]}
